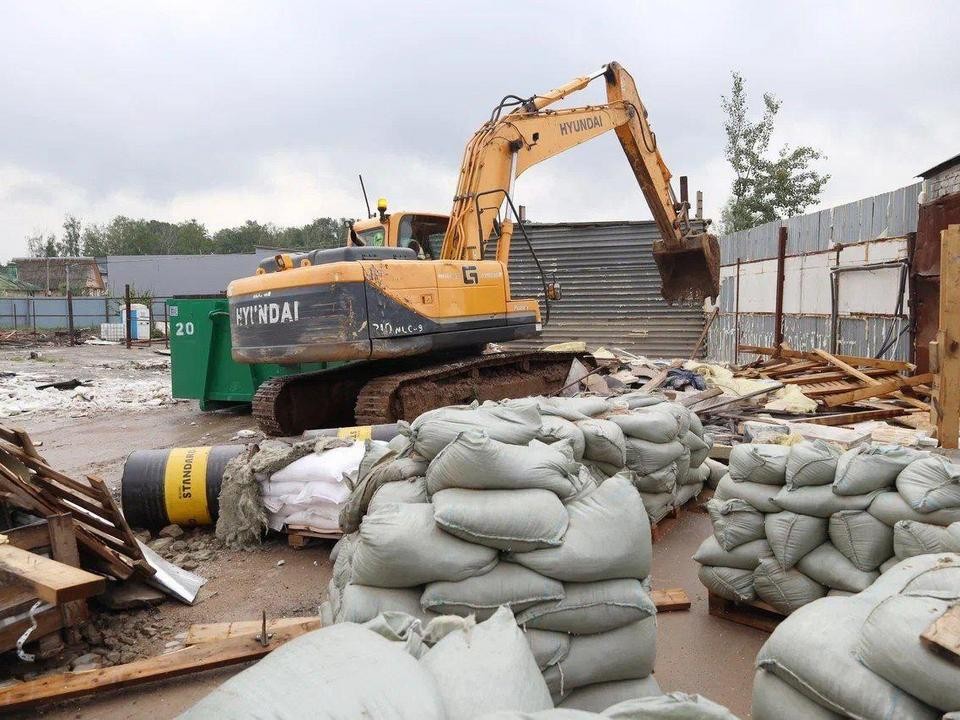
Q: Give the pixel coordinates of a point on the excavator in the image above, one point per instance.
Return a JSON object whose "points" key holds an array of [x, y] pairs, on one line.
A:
{"points": [[413, 298]]}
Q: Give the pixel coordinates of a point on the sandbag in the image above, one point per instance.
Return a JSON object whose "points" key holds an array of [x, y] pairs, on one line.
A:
{"points": [[604, 441], [888, 564], [343, 671], [791, 536], [696, 425], [890, 646], [699, 456], [643, 456], [735, 522], [401, 546], [626, 653], [863, 539], [641, 399], [820, 500], [685, 493], [679, 412], [785, 590], [912, 538], [663, 480], [867, 468], [930, 484], [517, 520], [891, 508], [608, 537], [730, 583], [648, 425], [486, 668], [475, 461], [773, 699], [378, 469], [695, 444], [557, 429], [934, 575], [812, 463], [696, 476], [953, 531], [507, 584], [342, 564], [591, 608], [745, 556], [362, 603], [571, 408], [657, 505], [411, 491], [813, 651], [548, 647], [717, 471], [763, 464], [757, 494], [828, 566], [672, 706], [599, 696], [516, 424], [328, 466]]}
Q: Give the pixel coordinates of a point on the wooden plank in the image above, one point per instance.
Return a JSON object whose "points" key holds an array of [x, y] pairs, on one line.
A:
{"points": [[48, 621], [854, 417], [694, 398], [188, 661], [948, 339], [63, 548], [884, 387], [215, 632], [29, 537], [757, 614], [117, 515], [656, 381], [943, 635], [846, 367], [50, 580], [15, 599], [852, 359], [830, 375], [670, 600], [720, 451], [746, 396]]}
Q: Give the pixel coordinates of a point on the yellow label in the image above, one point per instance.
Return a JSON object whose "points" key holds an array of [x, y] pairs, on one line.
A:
{"points": [[362, 432], [185, 486]]}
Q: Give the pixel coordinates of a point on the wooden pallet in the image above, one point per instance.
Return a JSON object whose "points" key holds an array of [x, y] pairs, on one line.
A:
{"points": [[660, 528], [299, 536], [670, 600], [755, 614]]}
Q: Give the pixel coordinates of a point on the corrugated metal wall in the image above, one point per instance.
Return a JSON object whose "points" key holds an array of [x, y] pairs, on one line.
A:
{"points": [[611, 288]]}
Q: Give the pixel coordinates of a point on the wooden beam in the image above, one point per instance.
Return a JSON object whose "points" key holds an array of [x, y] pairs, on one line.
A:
{"points": [[830, 375], [48, 621], [188, 661], [746, 396], [852, 359], [29, 537], [50, 580], [215, 632], [947, 399], [655, 382], [854, 372], [855, 417], [691, 400], [943, 635], [63, 549], [884, 387]]}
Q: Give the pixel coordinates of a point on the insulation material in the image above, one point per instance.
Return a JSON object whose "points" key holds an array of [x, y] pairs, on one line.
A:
{"points": [[790, 399]]}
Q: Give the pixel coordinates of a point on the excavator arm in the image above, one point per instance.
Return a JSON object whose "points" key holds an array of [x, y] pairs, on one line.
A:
{"points": [[508, 145]]}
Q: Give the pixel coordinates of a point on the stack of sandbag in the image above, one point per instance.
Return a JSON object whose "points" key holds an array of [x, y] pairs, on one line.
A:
{"points": [[311, 490], [794, 523], [394, 667], [861, 656], [522, 525]]}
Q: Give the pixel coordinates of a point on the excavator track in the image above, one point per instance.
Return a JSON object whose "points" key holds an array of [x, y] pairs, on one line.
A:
{"points": [[373, 393]]}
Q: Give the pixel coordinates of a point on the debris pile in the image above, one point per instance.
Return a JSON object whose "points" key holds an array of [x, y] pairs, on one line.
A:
{"points": [[395, 666], [20, 395], [885, 652], [794, 523]]}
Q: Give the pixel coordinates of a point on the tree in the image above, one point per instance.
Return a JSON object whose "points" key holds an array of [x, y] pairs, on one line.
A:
{"points": [[764, 189], [70, 243], [41, 245]]}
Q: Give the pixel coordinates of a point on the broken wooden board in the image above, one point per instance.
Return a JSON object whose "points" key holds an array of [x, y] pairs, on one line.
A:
{"points": [[214, 632], [187, 661], [52, 581], [943, 635], [851, 359], [854, 372], [670, 600], [882, 387], [851, 418]]}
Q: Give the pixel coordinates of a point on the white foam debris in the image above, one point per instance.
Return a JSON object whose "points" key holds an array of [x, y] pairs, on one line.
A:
{"points": [[19, 395]]}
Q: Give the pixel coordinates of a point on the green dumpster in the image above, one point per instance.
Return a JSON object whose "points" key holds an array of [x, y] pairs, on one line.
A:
{"points": [[200, 363]]}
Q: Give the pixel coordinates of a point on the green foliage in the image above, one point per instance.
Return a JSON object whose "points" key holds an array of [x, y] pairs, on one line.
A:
{"points": [[126, 236], [764, 189]]}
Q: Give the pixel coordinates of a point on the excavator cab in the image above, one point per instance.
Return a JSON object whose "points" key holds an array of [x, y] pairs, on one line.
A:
{"points": [[421, 232]]}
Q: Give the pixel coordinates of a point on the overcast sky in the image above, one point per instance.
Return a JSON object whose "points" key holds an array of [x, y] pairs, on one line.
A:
{"points": [[231, 111]]}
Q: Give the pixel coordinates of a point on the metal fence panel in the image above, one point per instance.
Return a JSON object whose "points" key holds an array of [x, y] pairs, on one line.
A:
{"points": [[611, 288]]}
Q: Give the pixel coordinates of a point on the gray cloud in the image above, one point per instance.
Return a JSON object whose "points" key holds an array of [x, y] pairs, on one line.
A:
{"points": [[229, 111]]}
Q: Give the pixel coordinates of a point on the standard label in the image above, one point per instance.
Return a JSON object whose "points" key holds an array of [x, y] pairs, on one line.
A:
{"points": [[361, 432], [185, 486]]}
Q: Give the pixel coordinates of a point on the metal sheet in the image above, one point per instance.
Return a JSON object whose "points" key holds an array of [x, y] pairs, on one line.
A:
{"points": [[611, 288]]}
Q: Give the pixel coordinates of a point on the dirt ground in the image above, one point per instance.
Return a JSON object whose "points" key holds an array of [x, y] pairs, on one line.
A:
{"points": [[695, 652]]}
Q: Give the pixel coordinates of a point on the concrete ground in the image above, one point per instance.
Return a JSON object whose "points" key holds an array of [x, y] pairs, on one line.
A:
{"points": [[695, 652]]}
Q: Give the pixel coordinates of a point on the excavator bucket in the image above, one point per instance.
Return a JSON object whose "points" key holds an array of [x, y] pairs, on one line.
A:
{"points": [[689, 269]]}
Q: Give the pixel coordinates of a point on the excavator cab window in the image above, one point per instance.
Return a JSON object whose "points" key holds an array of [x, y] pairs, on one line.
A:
{"points": [[374, 237], [423, 234]]}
